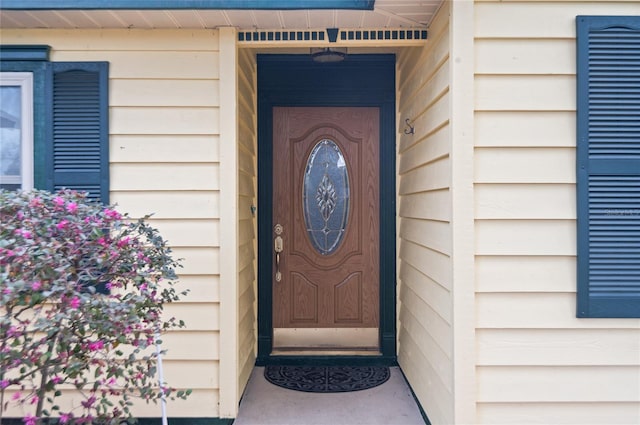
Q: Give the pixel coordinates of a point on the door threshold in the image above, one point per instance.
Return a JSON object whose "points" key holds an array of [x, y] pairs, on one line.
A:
{"points": [[326, 339], [282, 351]]}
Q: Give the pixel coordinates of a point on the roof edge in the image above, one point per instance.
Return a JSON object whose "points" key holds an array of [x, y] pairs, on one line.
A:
{"points": [[185, 4]]}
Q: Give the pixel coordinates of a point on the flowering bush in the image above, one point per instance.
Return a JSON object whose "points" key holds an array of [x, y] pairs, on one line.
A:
{"points": [[81, 307]]}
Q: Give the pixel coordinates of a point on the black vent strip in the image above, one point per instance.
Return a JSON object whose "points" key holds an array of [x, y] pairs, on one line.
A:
{"points": [[387, 34], [282, 36], [344, 35]]}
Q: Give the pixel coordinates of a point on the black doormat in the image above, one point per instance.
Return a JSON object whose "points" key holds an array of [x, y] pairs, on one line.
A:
{"points": [[326, 379]]}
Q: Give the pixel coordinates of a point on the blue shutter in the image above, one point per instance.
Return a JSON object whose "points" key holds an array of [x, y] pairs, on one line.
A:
{"points": [[78, 155], [608, 169]]}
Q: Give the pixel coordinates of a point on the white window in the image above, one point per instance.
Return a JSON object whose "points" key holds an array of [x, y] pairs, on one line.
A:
{"points": [[16, 130]]}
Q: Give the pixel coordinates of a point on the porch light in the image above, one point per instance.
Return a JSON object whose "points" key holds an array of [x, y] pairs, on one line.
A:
{"points": [[326, 55]]}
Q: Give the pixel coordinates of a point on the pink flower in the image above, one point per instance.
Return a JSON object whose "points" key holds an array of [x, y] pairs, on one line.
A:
{"points": [[4, 384], [16, 396], [29, 419], [36, 285], [112, 214], [35, 202], [24, 233], [72, 207], [56, 380], [89, 402], [63, 224], [124, 242], [75, 302], [95, 346], [34, 399], [64, 417], [58, 201], [143, 287]]}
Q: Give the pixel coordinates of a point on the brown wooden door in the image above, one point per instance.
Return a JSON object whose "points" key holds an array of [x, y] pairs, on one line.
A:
{"points": [[326, 203]]}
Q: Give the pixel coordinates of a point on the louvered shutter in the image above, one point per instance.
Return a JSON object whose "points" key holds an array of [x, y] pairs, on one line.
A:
{"points": [[608, 178], [78, 155]]}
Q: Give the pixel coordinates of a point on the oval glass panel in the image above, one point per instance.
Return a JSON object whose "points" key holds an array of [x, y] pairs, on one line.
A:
{"points": [[325, 196]]}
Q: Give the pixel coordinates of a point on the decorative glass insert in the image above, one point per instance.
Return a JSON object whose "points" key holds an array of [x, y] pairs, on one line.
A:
{"points": [[325, 196]]}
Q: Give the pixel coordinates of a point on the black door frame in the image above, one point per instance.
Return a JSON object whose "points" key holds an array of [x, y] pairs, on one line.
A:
{"points": [[359, 80]]}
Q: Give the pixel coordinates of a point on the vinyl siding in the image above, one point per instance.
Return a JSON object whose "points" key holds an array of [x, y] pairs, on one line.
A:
{"points": [[247, 192], [425, 328], [536, 362], [164, 159]]}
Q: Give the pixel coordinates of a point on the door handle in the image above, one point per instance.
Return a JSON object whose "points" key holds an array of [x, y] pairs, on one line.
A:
{"points": [[277, 247]]}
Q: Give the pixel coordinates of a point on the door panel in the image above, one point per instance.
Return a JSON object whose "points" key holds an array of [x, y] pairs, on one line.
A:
{"points": [[329, 273]]}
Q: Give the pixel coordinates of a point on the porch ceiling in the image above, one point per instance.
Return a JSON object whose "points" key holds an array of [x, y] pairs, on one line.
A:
{"points": [[386, 14]]}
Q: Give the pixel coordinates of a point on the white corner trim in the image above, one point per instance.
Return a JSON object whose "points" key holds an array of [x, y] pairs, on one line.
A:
{"points": [[461, 27], [228, 366]]}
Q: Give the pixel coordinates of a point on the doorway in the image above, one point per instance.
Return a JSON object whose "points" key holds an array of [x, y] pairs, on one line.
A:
{"points": [[326, 221]]}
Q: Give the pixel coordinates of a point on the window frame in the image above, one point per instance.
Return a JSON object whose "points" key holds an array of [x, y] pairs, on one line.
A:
{"points": [[38, 68], [24, 80], [50, 168]]}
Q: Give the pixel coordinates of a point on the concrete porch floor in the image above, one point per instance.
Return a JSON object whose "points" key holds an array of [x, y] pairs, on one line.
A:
{"points": [[390, 404]]}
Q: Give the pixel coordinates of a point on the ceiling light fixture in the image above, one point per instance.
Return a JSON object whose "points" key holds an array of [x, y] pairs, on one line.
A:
{"points": [[328, 55]]}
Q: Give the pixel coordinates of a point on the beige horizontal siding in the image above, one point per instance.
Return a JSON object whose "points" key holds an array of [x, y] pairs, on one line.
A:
{"points": [[159, 176], [192, 233], [525, 165], [433, 234], [525, 201], [137, 92], [183, 409], [164, 160], [500, 56], [202, 288], [525, 93], [170, 64], [526, 237], [564, 413], [169, 204], [162, 148], [192, 345], [425, 337], [536, 362], [533, 310], [525, 129], [435, 146], [247, 191], [162, 121], [119, 40], [430, 262], [525, 273], [558, 384], [558, 347], [432, 205], [541, 19]]}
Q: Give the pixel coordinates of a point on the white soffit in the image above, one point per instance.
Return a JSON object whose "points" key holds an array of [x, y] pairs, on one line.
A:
{"points": [[386, 14]]}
